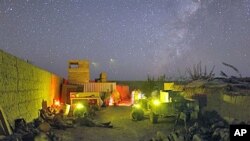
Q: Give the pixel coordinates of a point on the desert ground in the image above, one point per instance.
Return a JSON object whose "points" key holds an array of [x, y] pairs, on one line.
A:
{"points": [[124, 128]]}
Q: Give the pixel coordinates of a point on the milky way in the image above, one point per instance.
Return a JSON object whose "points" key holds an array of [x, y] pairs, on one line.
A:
{"points": [[129, 39]]}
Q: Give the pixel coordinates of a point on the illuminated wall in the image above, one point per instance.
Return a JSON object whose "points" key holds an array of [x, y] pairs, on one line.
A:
{"points": [[78, 71], [23, 86], [124, 92]]}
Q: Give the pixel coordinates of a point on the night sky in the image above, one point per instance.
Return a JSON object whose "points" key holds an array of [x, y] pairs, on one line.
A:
{"points": [[129, 39]]}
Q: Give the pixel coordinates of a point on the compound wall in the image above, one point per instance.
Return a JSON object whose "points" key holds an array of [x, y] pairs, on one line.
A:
{"points": [[24, 86], [228, 106]]}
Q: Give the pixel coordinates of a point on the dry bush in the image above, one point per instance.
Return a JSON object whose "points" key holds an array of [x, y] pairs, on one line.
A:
{"points": [[197, 72]]}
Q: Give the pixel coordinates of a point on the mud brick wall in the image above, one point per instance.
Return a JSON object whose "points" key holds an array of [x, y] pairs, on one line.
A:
{"points": [[230, 107], [236, 107], [23, 86], [79, 73]]}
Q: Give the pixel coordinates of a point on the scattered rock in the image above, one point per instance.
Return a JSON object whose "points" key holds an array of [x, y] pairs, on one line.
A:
{"points": [[210, 127], [219, 124], [204, 130], [197, 137], [44, 127], [160, 136]]}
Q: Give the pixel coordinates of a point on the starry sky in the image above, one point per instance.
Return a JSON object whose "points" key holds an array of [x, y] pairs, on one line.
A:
{"points": [[128, 39]]}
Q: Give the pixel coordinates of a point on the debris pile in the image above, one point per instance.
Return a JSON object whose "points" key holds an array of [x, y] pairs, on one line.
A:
{"points": [[40, 128], [50, 118], [209, 127], [36, 130]]}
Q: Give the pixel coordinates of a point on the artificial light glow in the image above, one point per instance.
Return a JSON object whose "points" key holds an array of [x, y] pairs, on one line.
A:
{"points": [[57, 103], [79, 106], [111, 101], [137, 105], [133, 97], [164, 97], [156, 102]]}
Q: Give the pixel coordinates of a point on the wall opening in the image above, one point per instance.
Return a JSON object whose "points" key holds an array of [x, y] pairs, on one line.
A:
{"points": [[73, 65]]}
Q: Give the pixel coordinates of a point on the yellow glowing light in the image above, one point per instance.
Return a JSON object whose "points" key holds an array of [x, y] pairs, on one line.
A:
{"points": [[164, 97], [79, 106], [156, 102], [137, 105], [57, 103]]}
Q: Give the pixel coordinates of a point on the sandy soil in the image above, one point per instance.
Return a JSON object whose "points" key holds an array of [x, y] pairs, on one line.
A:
{"points": [[124, 128]]}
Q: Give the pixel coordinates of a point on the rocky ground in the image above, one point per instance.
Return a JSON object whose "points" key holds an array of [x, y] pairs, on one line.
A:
{"points": [[124, 128], [210, 126]]}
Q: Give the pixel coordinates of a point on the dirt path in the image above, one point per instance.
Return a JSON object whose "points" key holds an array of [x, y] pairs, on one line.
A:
{"points": [[124, 128]]}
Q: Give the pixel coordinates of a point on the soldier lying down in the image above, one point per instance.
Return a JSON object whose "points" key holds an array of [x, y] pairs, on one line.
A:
{"points": [[60, 122], [87, 121]]}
